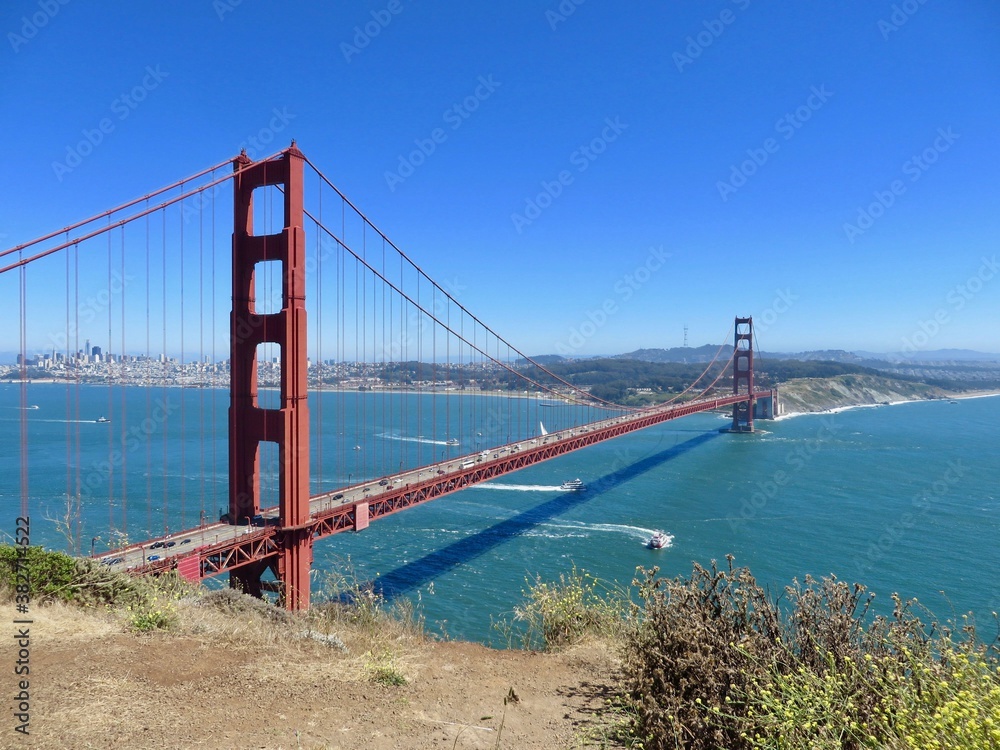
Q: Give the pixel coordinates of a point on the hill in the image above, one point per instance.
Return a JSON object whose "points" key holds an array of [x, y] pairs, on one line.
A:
{"points": [[237, 677], [821, 394]]}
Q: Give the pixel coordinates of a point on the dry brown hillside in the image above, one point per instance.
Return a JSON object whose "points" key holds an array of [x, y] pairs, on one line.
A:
{"points": [[819, 394], [237, 678]]}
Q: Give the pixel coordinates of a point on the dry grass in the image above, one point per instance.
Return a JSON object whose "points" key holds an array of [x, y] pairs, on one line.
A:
{"points": [[232, 672]]}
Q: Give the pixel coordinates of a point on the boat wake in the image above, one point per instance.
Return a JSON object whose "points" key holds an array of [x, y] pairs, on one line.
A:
{"points": [[521, 487], [73, 421], [402, 439], [580, 528]]}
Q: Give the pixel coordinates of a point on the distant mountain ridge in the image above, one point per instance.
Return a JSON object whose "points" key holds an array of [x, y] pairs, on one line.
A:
{"points": [[706, 353]]}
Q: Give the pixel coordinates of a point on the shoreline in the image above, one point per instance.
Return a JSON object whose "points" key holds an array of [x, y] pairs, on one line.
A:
{"points": [[839, 409], [549, 400]]}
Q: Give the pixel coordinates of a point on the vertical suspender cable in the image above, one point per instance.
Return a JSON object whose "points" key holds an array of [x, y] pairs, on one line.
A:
{"points": [[201, 355], [111, 392], [163, 361], [122, 414], [183, 370], [149, 383], [215, 368], [74, 512], [319, 341], [23, 331], [69, 424]]}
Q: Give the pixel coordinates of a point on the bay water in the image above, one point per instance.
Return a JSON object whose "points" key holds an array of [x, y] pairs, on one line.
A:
{"points": [[900, 498]]}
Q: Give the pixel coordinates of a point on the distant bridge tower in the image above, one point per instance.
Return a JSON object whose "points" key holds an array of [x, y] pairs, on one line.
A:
{"points": [[743, 375], [288, 426]]}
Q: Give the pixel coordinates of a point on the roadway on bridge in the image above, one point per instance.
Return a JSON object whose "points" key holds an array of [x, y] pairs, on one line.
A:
{"points": [[219, 536]]}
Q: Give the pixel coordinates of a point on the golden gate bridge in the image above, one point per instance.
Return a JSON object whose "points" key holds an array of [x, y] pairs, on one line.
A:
{"points": [[323, 302]]}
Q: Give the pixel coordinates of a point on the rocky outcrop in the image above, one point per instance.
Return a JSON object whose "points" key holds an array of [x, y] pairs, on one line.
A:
{"points": [[820, 394]]}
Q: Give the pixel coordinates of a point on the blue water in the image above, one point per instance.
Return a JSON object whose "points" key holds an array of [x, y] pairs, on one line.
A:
{"points": [[901, 498]]}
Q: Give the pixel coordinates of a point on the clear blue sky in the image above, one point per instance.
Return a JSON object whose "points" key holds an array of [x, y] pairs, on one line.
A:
{"points": [[743, 138]]}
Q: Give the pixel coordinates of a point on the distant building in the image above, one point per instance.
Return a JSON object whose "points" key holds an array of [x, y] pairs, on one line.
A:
{"points": [[95, 351]]}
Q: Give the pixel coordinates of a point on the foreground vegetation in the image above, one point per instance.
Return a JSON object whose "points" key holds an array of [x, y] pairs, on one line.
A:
{"points": [[712, 661], [706, 661]]}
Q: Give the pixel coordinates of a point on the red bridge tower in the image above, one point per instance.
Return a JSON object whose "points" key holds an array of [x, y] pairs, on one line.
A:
{"points": [[288, 426], [743, 375]]}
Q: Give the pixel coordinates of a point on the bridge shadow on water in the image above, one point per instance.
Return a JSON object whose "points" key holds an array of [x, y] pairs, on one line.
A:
{"points": [[412, 575]]}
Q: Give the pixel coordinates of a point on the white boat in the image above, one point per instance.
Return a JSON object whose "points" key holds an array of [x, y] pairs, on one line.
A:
{"points": [[451, 441], [544, 431], [357, 447], [102, 420], [659, 540], [573, 484]]}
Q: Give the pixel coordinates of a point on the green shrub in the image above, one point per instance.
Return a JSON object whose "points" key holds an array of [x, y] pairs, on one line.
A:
{"points": [[51, 575], [382, 670], [716, 663], [54, 576], [952, 701], [152, 614], [701, 642], [561, 613], [345, 599]]}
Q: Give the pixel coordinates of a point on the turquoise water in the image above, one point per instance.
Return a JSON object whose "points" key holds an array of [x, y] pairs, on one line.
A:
{"points": [[902, 498]]}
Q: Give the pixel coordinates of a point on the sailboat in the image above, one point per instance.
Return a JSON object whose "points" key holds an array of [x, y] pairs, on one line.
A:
{"points": [[542, 427]]}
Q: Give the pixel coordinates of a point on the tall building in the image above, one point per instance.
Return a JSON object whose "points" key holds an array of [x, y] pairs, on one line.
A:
{"points": [[96, 351]]}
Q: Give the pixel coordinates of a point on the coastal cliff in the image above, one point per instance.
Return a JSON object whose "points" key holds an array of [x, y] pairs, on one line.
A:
{"points": [[820, 394]]}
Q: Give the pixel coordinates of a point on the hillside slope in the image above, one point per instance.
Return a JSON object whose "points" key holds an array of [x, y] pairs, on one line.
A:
{"points": [[241, 680], [820, 394]]}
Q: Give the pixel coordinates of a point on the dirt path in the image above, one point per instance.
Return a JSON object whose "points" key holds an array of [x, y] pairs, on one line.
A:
{"points": [[220, 683]]}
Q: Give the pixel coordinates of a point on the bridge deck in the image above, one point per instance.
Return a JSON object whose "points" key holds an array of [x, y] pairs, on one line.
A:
{"points": [[219, 547]]}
